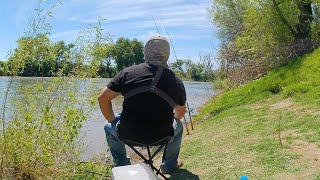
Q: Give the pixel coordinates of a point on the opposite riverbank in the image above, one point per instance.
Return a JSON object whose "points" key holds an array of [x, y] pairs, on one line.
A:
{"points": [[266, 129]]}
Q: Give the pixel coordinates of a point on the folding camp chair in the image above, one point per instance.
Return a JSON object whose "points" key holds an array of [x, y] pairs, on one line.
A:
{"points": [[152, 88], [149, 160]]}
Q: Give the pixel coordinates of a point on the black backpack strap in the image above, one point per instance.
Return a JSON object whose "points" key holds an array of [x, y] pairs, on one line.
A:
{"points": [[157, 76], [165, 96], [153, 89]]}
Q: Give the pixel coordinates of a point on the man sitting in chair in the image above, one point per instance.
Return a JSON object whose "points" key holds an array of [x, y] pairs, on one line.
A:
{"points": [[154, 103]]}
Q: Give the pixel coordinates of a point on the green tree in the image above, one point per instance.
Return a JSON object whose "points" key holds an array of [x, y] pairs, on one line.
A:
{"points": [[103, 56], [178, 67], [3, 68], [105, 68], [62, 55], [38, 56], [197, 71], [228, 16], [33, 56], [127, 52], [263, 34], [137, 48]]}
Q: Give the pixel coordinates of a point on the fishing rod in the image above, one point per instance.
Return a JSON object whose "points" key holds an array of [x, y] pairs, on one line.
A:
{"points": [[175, 54], [185, 122], [156, 25], [184, 118], [190, 116]]}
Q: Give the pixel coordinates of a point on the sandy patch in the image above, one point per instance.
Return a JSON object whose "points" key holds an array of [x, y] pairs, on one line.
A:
{"points": [[284, 104], [289, 105], [309, 160], [256, 106]]}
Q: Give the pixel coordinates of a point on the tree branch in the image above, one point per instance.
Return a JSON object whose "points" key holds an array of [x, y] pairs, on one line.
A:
{"points": [[282, 18]]}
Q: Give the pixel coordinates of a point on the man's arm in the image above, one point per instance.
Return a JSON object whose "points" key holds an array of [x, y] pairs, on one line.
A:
{"points": [[105, 97], [179, 111]]}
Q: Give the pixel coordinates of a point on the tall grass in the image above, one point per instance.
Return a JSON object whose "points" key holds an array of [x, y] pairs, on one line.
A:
{"points": [[41, 121]]}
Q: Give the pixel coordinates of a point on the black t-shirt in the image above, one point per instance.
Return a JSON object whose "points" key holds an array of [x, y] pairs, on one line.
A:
{"points": [[146, 117]]}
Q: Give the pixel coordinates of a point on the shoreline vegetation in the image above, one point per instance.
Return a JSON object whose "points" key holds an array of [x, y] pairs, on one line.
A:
{"points": [[265, 124], [39, 141], [265, 129], [38, 56]]}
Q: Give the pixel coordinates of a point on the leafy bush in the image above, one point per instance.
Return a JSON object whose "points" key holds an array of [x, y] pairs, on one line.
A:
{"points": [[3, 68], [40, 122], [197, 71]]}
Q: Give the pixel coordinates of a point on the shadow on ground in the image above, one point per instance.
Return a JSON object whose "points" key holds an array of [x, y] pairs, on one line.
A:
{"points": [[183, 174]]}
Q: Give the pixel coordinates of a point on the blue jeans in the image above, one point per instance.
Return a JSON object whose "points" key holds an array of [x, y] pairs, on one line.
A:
{"points": [[118, 150]]}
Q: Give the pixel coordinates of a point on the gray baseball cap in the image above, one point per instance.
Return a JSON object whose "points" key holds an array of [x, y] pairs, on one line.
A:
{"points": [[157, 50]]}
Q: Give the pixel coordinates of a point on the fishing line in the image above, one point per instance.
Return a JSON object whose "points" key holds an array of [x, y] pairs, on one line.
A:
{"points": [[156, 25], [174, 51]]}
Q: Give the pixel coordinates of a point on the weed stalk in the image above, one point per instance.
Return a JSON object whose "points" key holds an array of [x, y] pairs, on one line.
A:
{"points": [[279, 130]]}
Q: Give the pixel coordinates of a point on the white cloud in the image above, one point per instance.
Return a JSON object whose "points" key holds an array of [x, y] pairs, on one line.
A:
{"points": [[175, 11], [139, 14], [186, 20]]}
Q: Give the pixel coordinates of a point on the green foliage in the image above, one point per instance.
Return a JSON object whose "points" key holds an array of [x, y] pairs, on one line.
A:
{"points": [[298, 79], [45, 123], [179, 67], [93, 54], [94, 48], [196, 72], [200, 71], [228, 16], [91, 170], [3, 68], [264, 30], [127, 52], [38, 56], [40, 122], [258, 35], [223, 84]]}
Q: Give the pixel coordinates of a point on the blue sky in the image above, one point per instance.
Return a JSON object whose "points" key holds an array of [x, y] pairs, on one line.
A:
{"points": [[187, 22]]}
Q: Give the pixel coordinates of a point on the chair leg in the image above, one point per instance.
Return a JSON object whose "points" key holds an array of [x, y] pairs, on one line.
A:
{"points": [[158, 172], [149, 161], [161, 174], [156, 152], [136, 151]]}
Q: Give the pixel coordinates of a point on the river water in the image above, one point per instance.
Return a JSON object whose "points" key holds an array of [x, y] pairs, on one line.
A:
{"points": [[92, 132]]}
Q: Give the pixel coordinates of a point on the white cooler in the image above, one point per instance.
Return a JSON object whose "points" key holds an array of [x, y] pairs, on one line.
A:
{"points": [[133, 172]]}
